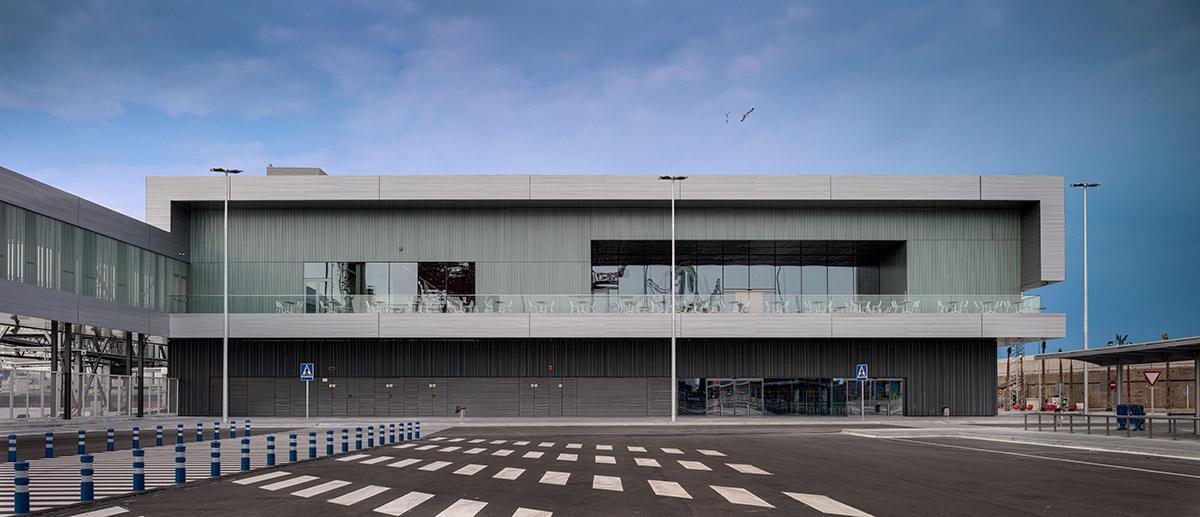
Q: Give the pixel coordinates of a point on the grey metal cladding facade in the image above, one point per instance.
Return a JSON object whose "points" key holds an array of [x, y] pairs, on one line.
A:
{"points": [[29, 300]]}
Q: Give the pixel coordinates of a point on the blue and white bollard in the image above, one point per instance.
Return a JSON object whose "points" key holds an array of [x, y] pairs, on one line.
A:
{"points": [[82, 441], [312, 444], [292, 447], [139, 470], [247, 428], [12, 448], [87, 489], [158, 437], [180, 464], [214, 468], [137, 439], [409, 426], [329, 442], [345, 440], [21, 487], [370, 436], [417, 431], [245, 454], [216, 430], [199, 432], [358, 438], [401, 433], [179, 435], [112, 442], [49, 445], [270, 451], [392, 433], [233, 428]]}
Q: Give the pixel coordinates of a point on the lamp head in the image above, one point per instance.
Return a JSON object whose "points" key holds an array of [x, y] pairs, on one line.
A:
{"points": [[1085, 185], [680, 178], [225, 171]]}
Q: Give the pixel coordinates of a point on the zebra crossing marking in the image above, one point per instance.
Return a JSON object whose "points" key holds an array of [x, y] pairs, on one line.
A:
{"points": [[402, 504], [607, 460], [526, 512], [456, 440], [748, 469], [668, 489], [554, 478], [741, 496], [405, 446], [634, 448], [610, 483], [404, 463], [709, 452], [437, 465], [260, 477], [522, 443], [546, 444], [477, 440], [693, 465], [509, 473], [533, 455], [359, 495], [574, 445], [604, 447], [353, 457], [463, 508], [321, 488], [426, 447], [567, 457], [104, 512], [671, 450], [503, 452], [449, 449], [470, 470], [279, 485], [377, 459], [497, 442], [476, 450], [827, 505], [646, 462]]}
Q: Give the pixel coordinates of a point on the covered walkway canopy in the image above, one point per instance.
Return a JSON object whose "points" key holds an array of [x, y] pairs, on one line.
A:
{"points": [[1182, 349]]}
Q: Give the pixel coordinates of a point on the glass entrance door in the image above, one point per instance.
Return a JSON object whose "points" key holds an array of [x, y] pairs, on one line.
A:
{"points": [[735, 397], [884, 397]]}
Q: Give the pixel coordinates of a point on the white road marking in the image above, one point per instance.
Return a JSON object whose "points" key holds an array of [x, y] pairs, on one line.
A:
{"points": [[608, 460], [509, 473], [321, 488], [522, 443], [568, 457], [401, 505], [611, 483], [353, 457], [497, 442], [1023, 455], [826, 505], [526, 512], [405, 446], [646, 462], [546, 444], [404, 463], [426, 447], [669, 489], [671, 450], [437, 465], [709, 452], [288, 482], [456, 440], [117, 510], [604, 447], [259, 478], [574, 445], [476, 450], [377, 459], [502, 452], [463, 508], [634, 448], [554, 478], [693, 465], [359, 495], [438, 439], [740, 496], [449, 449], [477, 440], [748, 469], [533, 454], [470, 470]]}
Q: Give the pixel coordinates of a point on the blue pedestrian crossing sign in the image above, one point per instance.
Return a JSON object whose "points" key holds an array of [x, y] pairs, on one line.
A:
{"points": [[861, 372], [306, 371]]}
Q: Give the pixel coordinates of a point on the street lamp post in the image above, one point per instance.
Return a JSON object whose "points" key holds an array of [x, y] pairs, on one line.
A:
{"points": [[1085, 187], [675, 180], [225, 300]]}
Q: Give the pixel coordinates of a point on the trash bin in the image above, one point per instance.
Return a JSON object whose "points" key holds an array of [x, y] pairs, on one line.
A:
{"points": [[1137, 410], [946, 411], [1122, 410]]}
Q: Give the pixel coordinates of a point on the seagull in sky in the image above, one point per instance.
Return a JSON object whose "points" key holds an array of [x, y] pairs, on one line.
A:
{"points": [[747, 115]]}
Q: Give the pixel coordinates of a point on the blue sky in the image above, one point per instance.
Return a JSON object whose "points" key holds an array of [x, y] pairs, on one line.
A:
{"points": [[96, 95]]}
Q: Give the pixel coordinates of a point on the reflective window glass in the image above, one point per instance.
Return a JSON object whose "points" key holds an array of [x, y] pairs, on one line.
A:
{"points": [[402, 278], [737, 277], [315, 270], [708, 277], [376, 279], [814, 280], [788, 280], [762, 277]]}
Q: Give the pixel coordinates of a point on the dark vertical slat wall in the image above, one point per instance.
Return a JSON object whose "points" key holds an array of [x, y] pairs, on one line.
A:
{"points": [[598, 377]]}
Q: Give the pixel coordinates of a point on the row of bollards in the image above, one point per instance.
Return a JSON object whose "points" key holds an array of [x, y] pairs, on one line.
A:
{"points": [[111, 443], [87, 491]]}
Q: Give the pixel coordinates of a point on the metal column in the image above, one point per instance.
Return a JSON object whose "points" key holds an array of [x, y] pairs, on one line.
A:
{"points": [[66, 370], [141, 353]]}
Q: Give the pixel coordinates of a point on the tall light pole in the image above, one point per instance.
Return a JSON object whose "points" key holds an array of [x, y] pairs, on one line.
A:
{"points": [[225, 299], [675, 180], [1085, 187]]}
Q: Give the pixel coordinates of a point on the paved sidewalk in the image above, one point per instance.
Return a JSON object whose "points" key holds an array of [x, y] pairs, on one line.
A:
{"points": [[1187, 447]]}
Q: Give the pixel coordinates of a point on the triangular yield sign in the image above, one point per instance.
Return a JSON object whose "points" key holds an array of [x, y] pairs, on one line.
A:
{"points": [[1152, 376]]}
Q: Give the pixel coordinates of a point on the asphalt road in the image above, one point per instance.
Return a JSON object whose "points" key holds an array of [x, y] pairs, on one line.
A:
{"points": [[758, 467]]}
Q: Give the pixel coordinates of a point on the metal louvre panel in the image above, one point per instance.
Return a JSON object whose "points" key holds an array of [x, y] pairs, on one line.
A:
{"points": [[484, 397], [615, 397]]}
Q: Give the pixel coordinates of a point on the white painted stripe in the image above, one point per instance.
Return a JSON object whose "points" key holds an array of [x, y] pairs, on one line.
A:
{"points": [[359, 495], [669, 489], [434, 466], [401, 505], [449, 449], [426, 447], [646, 462], [693, 465], [526, 512], [826, 505], [748, 469], [533, 454], [509, 473], [604, 447], [546, 444], [470, 470], [404, 463], [709, 452], [260, 478], [671, 450], [405, 446], [740, 496], [463, 508], [634, 448], [611, 483], [521, 443], [321, 488], [456, 440], [476, 450], [608, 460], [288, 482], [477, 440], [502, 452], [438, 439], [353, 457], [568, 457], [116, 510], [554, 478], [377, 459], [574, 445], [497, 442]]}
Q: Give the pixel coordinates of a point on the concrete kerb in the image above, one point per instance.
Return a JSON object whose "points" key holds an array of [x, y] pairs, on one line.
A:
{"points": [[1081, 442]]}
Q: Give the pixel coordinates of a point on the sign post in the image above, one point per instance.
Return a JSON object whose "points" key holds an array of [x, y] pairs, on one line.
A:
{"points": [[1151, 377], [860, 374], [306, 375]]}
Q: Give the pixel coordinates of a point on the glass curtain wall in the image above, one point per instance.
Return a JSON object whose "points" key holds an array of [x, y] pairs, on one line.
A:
{"points": [[825, 396], [399, 287]]}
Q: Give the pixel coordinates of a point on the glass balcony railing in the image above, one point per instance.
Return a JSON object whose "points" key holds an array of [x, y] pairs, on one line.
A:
{"points": [[747, 302]]}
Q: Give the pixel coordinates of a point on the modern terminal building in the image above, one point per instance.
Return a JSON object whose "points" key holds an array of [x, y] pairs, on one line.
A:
{"points": [[532, 295]]}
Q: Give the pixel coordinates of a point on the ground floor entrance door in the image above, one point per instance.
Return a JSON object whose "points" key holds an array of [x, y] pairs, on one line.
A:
{"points": [[735, 397]]}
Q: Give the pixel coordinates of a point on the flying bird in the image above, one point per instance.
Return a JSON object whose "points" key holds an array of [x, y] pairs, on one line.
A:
{"points": [[727, 116], [747, 115]]}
